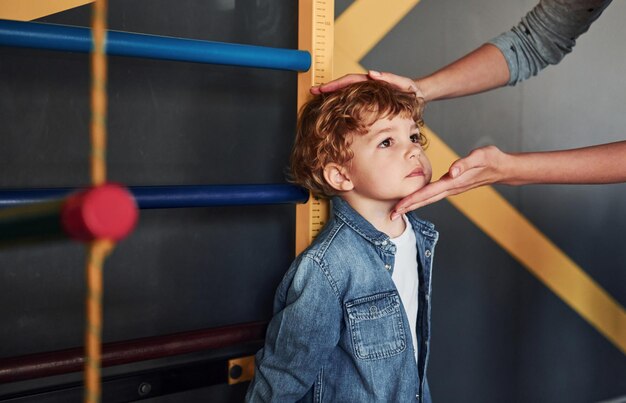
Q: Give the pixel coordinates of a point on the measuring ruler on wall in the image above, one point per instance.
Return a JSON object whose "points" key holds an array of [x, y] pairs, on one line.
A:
{"points": [[315, 34], [316, 19]]}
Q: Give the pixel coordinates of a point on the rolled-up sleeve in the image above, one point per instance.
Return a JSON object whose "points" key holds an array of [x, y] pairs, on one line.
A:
{"points": [[546, 34], [299, 338]]}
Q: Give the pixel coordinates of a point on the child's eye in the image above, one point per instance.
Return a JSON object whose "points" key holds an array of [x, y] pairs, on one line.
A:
{"points": [[415, 138], [385, 143]]}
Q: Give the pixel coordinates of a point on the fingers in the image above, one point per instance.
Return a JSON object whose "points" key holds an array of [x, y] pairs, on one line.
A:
{"points": [[430, 193], [338, 83], [402, 83], [414, 206], [456, 169]]}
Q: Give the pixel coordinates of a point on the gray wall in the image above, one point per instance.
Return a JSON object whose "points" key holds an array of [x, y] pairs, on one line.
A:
{"points": [[498, 333]]}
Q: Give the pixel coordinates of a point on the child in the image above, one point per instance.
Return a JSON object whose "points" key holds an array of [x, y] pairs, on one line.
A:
{"points": [[352, 314]]}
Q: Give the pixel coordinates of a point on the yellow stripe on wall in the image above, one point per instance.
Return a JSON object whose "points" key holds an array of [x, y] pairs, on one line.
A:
{"points": [[362, 25], [357, 31], [27, 10]]}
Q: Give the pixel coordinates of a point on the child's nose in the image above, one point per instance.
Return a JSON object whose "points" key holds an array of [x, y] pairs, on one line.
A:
{"points": [[414, 151]]}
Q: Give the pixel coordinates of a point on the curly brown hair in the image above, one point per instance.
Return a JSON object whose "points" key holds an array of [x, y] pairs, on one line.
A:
{"points": [[328, 121]]}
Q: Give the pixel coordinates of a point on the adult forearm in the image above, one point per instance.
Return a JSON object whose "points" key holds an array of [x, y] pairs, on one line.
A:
{"points": [[604, 163], [481, 70], [488, 165]]}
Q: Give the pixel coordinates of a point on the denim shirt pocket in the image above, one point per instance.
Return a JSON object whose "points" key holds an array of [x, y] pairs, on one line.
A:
{"points": [[376, 326]]}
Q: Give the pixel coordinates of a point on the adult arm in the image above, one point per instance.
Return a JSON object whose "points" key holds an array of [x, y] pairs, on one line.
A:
{"points": [[483, 69], [543, 37], [488, 165], [546, 35]]}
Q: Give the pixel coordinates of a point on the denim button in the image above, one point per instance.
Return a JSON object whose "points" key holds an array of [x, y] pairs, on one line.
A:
{"points": [[427, 253], [388, 266], [417, 397], [383, 243]]}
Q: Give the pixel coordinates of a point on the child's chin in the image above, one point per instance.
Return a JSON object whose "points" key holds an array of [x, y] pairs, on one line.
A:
{"points": [[410, 190], [402, 195]]}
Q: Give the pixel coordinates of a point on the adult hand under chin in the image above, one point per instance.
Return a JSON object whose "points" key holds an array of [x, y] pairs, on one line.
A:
{"points": [[482, 166]]}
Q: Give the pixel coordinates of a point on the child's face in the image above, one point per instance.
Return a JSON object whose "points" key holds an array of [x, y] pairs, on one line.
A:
{"points": [[388, 163]]}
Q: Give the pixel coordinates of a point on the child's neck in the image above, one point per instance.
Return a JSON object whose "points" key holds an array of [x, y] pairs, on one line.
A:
{"points": [[378, 213]]}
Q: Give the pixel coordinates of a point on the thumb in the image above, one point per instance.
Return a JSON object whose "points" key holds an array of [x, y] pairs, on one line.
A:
{"points": [[457, 168]]}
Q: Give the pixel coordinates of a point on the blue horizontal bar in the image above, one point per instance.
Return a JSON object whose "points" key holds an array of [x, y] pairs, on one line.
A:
{"points": [[152, 197], [78, 39]]}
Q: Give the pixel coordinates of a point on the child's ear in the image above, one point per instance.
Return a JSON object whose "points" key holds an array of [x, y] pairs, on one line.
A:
{"points": [[337, 177]]}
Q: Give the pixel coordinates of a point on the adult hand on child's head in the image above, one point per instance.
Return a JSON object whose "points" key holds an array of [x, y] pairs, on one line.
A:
{"points": [[483, 166], [402, 83], [339, 83]]}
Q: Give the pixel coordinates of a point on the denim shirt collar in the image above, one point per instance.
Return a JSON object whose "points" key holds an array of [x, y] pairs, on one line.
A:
{"points": [[344, 212], [360, 225]]}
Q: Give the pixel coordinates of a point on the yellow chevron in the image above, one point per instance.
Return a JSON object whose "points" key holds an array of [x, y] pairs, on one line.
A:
{"points": [[362, 25], [28, 10], [357, 31]]}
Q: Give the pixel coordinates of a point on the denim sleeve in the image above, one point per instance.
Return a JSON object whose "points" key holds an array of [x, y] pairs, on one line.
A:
{"points": [[299, 337], [546, 34]]}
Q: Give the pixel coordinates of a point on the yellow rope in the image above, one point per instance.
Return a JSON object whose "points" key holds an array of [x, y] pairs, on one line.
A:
{"points": [[98, 94], [99, 249]]}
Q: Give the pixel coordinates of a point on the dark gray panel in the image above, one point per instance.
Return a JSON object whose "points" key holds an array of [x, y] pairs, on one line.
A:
{"points": [[476, 313], [169, 123]]}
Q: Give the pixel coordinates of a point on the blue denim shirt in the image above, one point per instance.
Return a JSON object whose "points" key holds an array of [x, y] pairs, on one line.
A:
{"points": [[339, 331]]}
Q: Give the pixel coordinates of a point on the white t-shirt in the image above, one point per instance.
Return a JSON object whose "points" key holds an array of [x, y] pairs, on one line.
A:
{"points": [[405, 276]]}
